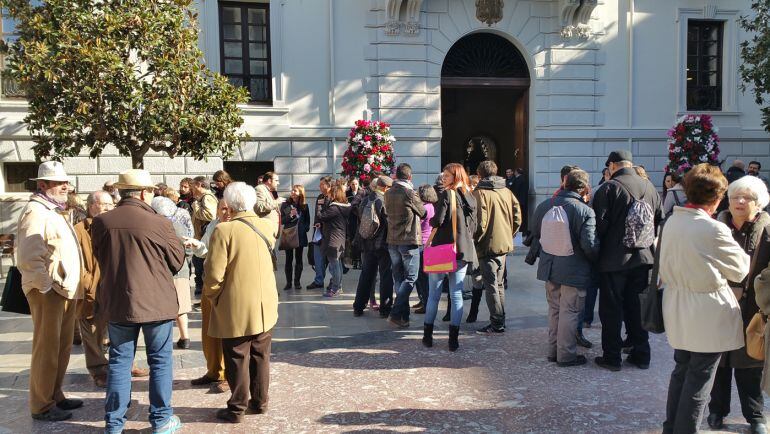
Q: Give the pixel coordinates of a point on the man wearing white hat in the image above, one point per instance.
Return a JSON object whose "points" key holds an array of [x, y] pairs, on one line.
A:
{"points": [[138, 252], [49, 260]]}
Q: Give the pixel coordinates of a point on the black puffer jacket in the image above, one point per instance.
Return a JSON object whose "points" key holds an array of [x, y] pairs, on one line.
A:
{"points": [[466, 224], [611, 203]]}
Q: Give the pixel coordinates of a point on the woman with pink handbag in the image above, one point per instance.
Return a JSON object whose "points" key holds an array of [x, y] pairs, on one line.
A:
{"points": [[450, 250]]}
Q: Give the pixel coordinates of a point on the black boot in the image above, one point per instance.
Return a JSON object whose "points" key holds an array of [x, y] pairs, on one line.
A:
{"points": [[475, 300], [427, 335], [454, 333]]}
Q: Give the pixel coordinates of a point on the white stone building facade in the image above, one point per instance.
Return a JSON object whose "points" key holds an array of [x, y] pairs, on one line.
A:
{"points": [[587, 77]]}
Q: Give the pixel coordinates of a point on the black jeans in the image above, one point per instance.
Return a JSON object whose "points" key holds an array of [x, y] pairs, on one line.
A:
{"points": [[374, 260], [688, 390], [198, 266], [293, 255], [421, 285], [619, 301], [748, 381]]}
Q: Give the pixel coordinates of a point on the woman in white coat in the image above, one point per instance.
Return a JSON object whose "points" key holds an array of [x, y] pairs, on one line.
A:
{"points": [[701, 314]]}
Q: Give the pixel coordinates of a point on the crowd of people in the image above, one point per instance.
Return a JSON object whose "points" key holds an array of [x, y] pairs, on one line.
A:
{"points": [[96, 273]]}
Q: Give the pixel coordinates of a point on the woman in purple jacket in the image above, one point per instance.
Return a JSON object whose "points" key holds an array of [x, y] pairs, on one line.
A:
{"points": [[428, 197]]}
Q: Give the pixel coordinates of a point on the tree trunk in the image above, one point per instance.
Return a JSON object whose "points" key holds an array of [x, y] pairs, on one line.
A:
{"points": [[137, 161]]}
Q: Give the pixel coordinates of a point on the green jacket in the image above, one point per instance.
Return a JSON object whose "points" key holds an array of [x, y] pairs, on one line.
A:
{"points": [[498, 215]]}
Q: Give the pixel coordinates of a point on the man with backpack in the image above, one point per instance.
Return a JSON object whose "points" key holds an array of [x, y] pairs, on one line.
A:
{"points": [[628, 212], [498, 217], [372, 236], [565, 228]]}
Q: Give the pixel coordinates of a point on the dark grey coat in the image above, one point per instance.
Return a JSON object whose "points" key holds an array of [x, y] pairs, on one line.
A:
{"points": [[752, 236], [334, 221], [574, 270]]}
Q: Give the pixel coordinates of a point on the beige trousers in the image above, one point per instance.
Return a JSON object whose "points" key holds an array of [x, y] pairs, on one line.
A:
{"points": [[564, 306], [92, 332], [212, 347], [53, 320]]}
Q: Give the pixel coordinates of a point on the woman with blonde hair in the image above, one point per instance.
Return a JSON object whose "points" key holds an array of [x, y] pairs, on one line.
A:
{"points": [[698, 259], [295, 212], [454, 222], [749, 225]]}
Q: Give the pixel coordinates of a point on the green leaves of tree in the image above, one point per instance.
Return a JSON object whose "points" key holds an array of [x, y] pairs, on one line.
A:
{"points": [[755, 52], [123, 72]]}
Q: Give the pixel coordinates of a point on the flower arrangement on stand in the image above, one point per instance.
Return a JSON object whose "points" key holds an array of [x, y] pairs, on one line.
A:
{"points": [[691, 141], [370, 149]]}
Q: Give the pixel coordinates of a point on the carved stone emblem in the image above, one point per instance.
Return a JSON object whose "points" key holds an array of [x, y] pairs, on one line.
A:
{"points": [[489, 11]]}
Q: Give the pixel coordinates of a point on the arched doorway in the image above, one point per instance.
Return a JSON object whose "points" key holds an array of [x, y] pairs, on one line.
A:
{"points": [[484, 103]]}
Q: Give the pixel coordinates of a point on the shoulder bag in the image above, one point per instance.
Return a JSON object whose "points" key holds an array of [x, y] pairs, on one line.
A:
{"points": [[267, 243], [442, 258], [14, 299], [651, 299]]}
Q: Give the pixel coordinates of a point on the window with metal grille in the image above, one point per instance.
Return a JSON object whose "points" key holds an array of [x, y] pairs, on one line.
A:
{"points": [[18, 175], [244, 35], [704, 64]]}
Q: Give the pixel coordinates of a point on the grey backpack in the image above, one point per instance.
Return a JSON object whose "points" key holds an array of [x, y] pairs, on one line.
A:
{"points": [[370, 220], [640, 223]]}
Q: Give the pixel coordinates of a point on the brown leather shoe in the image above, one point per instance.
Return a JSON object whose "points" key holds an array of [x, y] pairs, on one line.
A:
{"points": [[100, 380], [219, 387], [229, 416], [139, 372], [254, 409], [202, 381]]}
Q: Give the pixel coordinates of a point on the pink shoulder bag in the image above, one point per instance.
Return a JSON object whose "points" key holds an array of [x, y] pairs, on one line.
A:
{"points": [[442, 258]]}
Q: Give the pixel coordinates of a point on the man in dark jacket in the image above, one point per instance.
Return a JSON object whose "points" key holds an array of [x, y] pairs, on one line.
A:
{"points": [[318, 257], [520, 189], [623, 271], [138, 252], [567, 277], [405, 209], [499, 217], [375, 252]]}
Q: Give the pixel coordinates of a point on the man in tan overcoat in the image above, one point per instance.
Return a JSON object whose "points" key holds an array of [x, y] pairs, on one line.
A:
{"points": [[92, 329], [239, 281], [49, 261]]}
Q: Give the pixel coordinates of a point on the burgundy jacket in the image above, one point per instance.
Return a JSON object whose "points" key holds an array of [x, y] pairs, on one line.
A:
{"points": [[138, 252]]}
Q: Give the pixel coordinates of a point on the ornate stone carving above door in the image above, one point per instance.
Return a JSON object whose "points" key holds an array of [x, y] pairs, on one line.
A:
{"points": [[403, 14], [489, 11], [574, 15]]}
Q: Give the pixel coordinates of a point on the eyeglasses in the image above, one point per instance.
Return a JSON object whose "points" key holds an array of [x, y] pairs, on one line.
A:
{"points": [[741, 197]]}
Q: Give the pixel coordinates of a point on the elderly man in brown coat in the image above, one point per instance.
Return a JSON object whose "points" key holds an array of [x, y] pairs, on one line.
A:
{"points": [[239, 281], [138, 252], [92, 329]]}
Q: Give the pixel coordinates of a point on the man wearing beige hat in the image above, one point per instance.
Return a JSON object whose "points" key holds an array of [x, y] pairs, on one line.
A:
{"points": [[49, 261], [138, 252]]}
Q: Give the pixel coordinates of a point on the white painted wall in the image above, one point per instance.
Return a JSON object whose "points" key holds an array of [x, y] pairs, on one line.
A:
{"points": [[333, 63]]}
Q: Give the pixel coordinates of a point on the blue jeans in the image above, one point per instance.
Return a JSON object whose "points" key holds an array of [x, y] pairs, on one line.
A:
{"points": [[158, 337], [456, 281], [335, 269], [320, 265], [406, 264]]}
